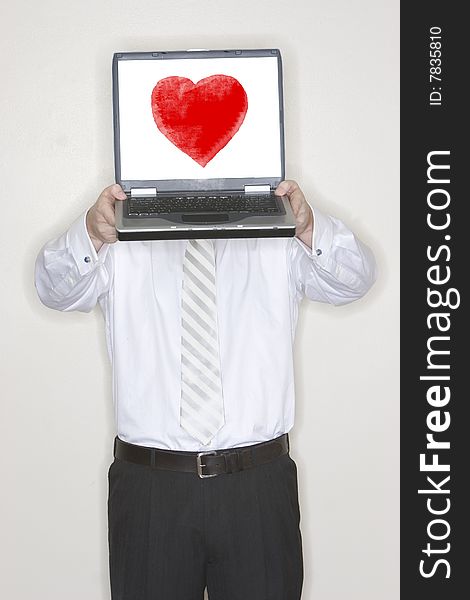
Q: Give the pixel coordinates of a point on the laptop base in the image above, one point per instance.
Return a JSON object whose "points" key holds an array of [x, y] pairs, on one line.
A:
{"points": [[126, 236]]}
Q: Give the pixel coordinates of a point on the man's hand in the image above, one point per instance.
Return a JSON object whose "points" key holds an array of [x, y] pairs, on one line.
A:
{"points": [[100, 221], [302, 212]]}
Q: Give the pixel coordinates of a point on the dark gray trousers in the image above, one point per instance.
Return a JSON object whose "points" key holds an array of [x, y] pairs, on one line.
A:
{"points": [[171, 534]]}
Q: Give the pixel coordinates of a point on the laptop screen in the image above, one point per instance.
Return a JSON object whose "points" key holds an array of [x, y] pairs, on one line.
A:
{"points": [[199, 118]]}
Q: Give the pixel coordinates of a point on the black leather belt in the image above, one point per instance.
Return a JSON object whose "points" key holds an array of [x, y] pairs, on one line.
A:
{"points": [[205, 464]]}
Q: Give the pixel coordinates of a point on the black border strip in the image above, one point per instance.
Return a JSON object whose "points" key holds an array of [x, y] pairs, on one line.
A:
{"points": [[434, 253]]}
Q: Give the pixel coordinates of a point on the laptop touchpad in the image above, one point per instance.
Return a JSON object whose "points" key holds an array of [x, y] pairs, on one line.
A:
{"points": [[211, 218]]}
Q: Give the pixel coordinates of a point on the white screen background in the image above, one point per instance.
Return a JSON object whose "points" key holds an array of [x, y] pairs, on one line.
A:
{"points": [[146, 154]]}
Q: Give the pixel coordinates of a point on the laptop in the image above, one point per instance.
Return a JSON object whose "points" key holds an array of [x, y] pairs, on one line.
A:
{"points": [[199, 145]]}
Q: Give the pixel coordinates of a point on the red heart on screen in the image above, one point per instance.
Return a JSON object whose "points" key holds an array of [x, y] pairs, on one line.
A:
{"points": [[199, 118]]}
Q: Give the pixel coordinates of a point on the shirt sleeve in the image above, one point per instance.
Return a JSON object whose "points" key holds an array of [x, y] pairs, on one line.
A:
{"points": [[69, 273], [338, 269]]}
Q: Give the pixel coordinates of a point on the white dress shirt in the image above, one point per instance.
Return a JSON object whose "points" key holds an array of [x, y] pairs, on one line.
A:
{"points": [[259, 283]]}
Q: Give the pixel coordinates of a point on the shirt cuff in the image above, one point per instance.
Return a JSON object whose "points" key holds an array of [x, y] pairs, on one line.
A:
{"points": [[81, 246], [322, 237]]}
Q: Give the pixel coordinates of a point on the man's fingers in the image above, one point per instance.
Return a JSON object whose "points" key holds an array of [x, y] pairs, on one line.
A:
{"points": [[106, 232], [100, 220], [112, 193], [107, 214], [287, 187], [117, 192], [109, 236], [292, 190]]}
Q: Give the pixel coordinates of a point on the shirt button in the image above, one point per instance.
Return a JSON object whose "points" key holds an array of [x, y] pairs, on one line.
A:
{"points": [[87, 259], [318, 252]]}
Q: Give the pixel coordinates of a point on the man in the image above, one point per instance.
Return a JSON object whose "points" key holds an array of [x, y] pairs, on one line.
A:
{"points": [[227, 518]]}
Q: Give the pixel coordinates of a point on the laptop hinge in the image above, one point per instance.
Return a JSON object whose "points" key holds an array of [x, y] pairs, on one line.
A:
{"points": [[143, 192], [256, 189]]}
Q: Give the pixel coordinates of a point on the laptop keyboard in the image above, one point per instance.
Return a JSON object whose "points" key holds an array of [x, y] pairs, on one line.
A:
{"points": [[161, 205]]}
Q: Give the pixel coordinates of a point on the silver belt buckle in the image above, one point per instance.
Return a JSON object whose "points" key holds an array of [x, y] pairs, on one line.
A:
{"points": [[200, 464]]}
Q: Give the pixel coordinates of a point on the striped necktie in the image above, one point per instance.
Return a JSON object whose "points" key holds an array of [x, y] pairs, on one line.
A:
{"points": [[202, 409]]}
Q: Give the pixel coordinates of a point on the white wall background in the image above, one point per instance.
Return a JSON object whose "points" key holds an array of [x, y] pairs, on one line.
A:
{"points": [[341, 99]]}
